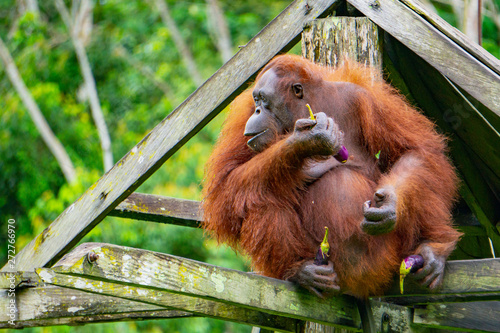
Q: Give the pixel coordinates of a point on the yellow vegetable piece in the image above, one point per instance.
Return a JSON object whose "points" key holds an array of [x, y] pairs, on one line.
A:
{"points": [[325, 246], [403, 272], [311, 115]]}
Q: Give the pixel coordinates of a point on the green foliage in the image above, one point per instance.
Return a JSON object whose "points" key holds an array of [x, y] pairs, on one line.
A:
{"points": [[491, 36]]}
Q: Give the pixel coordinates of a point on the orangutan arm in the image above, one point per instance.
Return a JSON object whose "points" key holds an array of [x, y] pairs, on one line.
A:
{"points": [[414, 199]]}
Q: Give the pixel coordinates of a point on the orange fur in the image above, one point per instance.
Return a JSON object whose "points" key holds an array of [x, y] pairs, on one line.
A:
{"points": [[264, 204]]}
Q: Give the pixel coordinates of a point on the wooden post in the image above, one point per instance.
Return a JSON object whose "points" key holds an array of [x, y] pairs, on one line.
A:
{"points": [[330, 42]]}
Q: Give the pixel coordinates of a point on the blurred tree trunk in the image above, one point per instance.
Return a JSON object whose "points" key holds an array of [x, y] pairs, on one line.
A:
{"points": [[36, 115], [28, 6], [218, 25], [186, 54], [75, 32], [469, 13], [472, 20], [458, 10], [81, 13]]}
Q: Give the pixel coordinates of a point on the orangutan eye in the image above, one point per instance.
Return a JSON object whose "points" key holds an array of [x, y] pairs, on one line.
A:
{"points": [[298, 90]]}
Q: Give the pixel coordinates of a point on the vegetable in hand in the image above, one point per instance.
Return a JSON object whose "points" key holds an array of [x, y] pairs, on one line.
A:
{"points": [[410, 264], [323, 253], [343, 155]]}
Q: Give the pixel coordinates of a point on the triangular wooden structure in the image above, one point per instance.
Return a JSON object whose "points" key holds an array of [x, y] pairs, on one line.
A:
{"points": [[454, 81]]}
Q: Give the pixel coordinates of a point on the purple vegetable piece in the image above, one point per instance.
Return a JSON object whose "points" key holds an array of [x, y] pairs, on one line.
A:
{"points": [[414, 262], [410, 264], [342, 155]]}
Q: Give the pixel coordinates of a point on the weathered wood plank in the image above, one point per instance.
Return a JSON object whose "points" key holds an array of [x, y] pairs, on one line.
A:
{"points": [[463, 279], [156, 297], [12, 280], [474, 317], [456, 35], [51, 305], [392, 318], [419, 300], [436, 48], [188, 277], [168, 136], [148, 207], [105, 318]]}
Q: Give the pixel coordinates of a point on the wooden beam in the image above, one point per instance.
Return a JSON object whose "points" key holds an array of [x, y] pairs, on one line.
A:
{"points": [[148, 207], [157, 272], [168, 136], [194, 305], [436, 48], [456, 35], [392, 317], [473, 317], [464, 280], [51, 305], [13, 280], [330, 40]]}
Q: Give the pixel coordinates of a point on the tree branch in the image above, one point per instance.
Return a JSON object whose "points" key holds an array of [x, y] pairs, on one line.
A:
{"points": [[471, 20], [36, 115], [88, 77], [218, 23]]}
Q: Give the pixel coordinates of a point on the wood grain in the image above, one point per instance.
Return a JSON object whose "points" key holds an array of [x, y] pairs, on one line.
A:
{"points": [[463, 279], [51, 305], [456, 35], [436, 48], [329, 41], [194, 305], [478, 316], [148, 207], [158, 271]]}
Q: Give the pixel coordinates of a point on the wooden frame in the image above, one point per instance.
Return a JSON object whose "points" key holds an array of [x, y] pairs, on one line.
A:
{"points": [[104, 273]]}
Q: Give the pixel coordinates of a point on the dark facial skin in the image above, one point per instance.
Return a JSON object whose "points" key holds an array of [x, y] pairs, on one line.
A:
{"points": [[271, 117]]}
